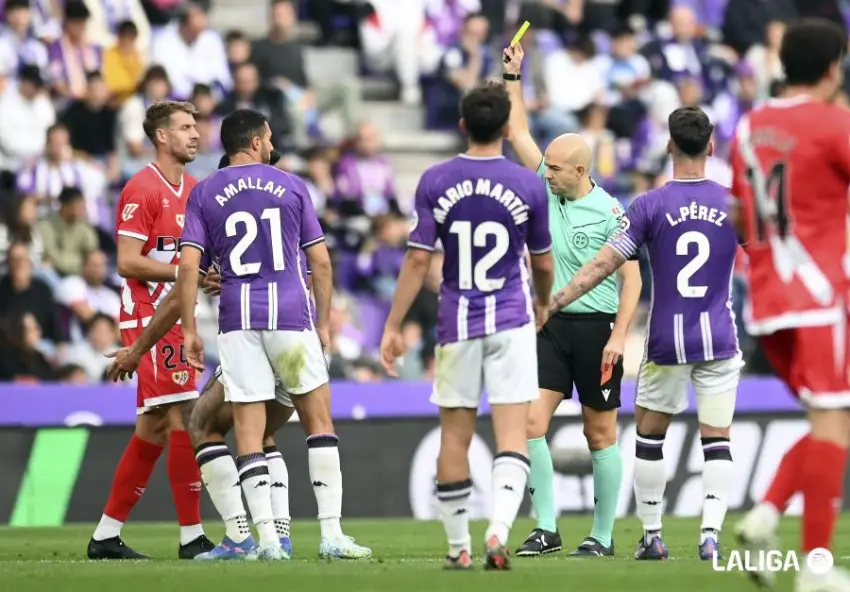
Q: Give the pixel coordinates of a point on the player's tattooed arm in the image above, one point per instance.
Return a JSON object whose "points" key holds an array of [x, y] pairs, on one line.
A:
{"points": [[606, 262]]}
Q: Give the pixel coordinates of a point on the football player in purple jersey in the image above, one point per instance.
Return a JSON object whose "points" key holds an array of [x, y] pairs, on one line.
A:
{"points": [[256, 220], [692, 245], [486, 211]]}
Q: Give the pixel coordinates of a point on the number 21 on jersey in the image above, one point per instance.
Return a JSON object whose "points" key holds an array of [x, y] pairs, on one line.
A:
{"points": [[250, 224], [470, 275]]}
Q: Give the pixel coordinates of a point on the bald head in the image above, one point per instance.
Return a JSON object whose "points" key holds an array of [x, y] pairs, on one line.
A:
{"points": [[571, 149], [568, 162]]}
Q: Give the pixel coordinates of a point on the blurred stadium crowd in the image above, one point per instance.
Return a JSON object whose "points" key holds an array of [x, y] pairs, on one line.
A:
{"points": [[76, 77]]}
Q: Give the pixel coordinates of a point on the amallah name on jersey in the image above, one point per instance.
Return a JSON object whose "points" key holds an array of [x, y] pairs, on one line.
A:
{"points": [[506, 197], [245, 183], [695, 211]]}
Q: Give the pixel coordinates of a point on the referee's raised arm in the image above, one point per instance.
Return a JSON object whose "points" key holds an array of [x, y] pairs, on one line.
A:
{"points": [[519, 135]]}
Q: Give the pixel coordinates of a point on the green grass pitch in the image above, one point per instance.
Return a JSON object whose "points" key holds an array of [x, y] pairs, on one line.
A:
{"points": [[407, 558]]}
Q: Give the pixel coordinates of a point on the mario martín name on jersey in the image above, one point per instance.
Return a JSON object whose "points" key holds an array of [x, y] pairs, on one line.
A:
{"points": [[246, 183], [517, 208], [694, 211]]}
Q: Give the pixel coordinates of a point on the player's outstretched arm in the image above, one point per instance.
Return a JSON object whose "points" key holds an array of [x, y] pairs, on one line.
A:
{"points": [[519, 134], [606, 262], [133, 265]]}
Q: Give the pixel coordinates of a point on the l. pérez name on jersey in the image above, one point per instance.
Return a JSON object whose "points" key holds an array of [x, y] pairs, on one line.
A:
{"points": [[506, 197], [695, 211], [243, 184]]}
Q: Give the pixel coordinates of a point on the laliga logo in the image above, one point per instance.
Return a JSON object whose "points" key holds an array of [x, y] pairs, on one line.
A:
{"points": [[819, 561]]}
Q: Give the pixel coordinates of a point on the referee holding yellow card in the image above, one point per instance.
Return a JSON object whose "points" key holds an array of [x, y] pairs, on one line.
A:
{"points": [[581, 346]]}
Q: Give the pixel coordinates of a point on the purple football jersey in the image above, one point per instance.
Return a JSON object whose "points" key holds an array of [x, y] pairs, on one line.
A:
{"points": [[484, 211], [692, 247], [255, 220]]}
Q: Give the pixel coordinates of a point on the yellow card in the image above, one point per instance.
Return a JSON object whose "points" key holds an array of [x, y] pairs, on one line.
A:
{"points": [[520, 33]]}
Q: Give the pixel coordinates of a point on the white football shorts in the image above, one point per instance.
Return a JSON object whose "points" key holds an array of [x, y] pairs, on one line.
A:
{"points": [[504, 363], [665, 388], [257, 365]]}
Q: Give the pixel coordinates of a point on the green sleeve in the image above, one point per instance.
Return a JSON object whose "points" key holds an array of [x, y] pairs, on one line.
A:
{"points": [[615, 216]]}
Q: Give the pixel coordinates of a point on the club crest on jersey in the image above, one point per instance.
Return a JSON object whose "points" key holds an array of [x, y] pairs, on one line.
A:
{"points": [[180, 218], [414, 221], [580, 240], [181, 377], [128, 211]]}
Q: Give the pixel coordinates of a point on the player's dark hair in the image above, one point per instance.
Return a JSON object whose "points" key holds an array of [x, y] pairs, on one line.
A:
{"points": [[275, 157], [159, 115], [239, 128], [809, 48], [485, 111], [690, 130]]}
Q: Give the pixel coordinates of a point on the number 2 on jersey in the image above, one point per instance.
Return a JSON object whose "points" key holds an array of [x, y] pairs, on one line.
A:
{"points": [[683, 280], [466, 239], [250, 222]]}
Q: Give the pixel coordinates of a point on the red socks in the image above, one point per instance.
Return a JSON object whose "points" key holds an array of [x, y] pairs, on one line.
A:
{"points": [[787, 478], [131, 477], [822, 479], [185, 478]]}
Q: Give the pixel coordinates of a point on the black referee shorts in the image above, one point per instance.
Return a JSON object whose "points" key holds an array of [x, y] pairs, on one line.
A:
{"points": [[569, 352]]}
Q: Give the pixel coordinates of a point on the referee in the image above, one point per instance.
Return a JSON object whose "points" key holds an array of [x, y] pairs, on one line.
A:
{"points": [[582, 345]]}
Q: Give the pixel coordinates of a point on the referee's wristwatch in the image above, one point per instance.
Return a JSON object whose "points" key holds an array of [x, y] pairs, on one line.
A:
{"points": [[511, 77]]}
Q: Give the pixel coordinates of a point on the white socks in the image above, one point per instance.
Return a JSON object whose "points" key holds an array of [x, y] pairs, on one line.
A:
{"points": [[279, 490], [255, 480], [510, 475], [220, 477], [107, 528], [454, 499], [325, 474], [716, 478], [650, 481]]}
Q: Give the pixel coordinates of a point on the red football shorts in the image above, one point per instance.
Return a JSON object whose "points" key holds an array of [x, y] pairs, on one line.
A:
{"points": [[812, 361], [164, 377]]}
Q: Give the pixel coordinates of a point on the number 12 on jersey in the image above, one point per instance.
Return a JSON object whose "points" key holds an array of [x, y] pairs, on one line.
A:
{"points": [[470, 275], [251, 227]]}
